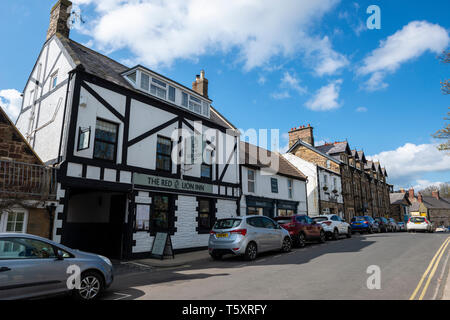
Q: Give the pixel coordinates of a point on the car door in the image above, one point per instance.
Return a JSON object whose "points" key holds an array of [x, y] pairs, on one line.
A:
{"points": [[29, 268], [259, 233], [312, 227], [274, 238]]}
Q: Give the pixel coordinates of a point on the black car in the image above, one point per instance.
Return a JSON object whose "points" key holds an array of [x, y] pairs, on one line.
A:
{"points": [[384, 224]]}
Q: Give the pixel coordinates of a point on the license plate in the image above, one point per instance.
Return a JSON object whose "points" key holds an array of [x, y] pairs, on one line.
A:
{"points": [[358, 224], [222, 235], [418, 222]]}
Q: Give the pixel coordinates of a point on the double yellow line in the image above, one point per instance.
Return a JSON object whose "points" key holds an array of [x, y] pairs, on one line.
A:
{"points": [[432, 266]]}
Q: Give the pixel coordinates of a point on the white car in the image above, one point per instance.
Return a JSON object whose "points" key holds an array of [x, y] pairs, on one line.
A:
{"points": [[419, 224], [334, 226]]}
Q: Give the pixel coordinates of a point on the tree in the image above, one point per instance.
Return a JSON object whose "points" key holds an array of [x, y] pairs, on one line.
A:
{"points": [[444, 133], [443, 188]]}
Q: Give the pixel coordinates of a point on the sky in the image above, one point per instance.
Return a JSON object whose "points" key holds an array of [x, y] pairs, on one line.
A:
{"points": [[276, 65]]}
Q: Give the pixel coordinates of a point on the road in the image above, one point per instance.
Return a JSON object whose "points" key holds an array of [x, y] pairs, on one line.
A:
{"points": [[333, 270]]}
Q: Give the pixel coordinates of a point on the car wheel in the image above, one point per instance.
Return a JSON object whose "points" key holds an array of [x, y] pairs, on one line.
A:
{"points": [[322, 237], [91, 286], [251, 252], [349, 233], [370, 231], [335, 234], [287, 245], [301, 240]]}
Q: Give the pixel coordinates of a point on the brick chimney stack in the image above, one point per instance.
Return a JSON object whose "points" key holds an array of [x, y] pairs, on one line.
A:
{"points": [[419, 197], [59, 16], [435, 194], [411, 194], [304, 133], [200, 85]]}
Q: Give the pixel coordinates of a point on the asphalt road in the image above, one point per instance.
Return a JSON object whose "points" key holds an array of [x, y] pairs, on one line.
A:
{"points": [[333, 270]]}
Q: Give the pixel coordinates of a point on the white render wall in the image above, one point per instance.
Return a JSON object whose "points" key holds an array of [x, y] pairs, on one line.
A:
{"points": [[263, 189], [310, 170], [49, 114], [325, 195]]}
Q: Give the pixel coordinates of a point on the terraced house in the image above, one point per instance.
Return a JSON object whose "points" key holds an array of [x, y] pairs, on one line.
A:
{"points": [[114, 132], [364, 188]]}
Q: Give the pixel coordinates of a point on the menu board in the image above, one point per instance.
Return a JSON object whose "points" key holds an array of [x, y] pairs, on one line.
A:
{"points": [[162, 246]]}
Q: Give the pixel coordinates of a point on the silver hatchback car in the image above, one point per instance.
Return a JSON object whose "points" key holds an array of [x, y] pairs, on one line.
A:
{"points": [[247, 236], [32, 266]]}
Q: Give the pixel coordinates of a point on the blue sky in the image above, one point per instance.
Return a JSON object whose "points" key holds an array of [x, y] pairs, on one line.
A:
{"points": [[272, 66]]}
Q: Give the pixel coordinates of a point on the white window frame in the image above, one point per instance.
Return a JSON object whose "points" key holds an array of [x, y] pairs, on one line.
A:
{"points": [[254, 181], [53, 77], [290, 183], [4, 219]]}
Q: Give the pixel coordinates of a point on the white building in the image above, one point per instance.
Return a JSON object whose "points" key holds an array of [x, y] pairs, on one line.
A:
{"points": [[281, 192], [324, 187], [111, 131]]}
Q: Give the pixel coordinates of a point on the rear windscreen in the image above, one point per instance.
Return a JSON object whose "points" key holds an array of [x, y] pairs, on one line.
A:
{"points": [[319, 219], [358, 219], [418, 219], [227, 223]]}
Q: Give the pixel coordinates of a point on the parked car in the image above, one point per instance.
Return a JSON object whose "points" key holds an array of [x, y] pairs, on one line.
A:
{"points": [[419, 224], [334, 226], [393, 224], [302, 228], [384, 224], [32, 266], [364, 224], [247, 236], [401, 226]]}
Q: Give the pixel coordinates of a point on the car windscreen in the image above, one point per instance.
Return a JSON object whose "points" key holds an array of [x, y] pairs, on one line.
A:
{"points": [[418, 219], [283, 221], [227, 223], [320, 219]]}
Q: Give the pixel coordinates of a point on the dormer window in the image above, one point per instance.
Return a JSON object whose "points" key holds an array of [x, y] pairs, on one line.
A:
{"points": [[170, 91]]}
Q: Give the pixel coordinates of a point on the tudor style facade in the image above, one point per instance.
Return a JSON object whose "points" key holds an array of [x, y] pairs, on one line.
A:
{"points": [[113, 132], [365, 190]]}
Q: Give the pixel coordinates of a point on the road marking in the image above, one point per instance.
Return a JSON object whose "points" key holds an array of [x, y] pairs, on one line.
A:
{"points": [[122, 294], [433, 271], [440, 250]]}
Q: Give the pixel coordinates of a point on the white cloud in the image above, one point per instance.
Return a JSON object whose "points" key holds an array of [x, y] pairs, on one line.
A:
{"points": [[409, 43], [280, 95], [262, 80], [410, 162], [292, 82], [361, 109], [325, 60], [422, 184], [326, 98], [160, 32], [11, 102]]}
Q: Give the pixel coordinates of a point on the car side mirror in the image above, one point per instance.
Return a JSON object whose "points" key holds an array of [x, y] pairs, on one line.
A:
{"points": [[59, 255]]}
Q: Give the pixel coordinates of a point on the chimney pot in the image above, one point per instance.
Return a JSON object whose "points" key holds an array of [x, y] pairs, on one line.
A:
{"points": [[435, 194], [301, 133]]}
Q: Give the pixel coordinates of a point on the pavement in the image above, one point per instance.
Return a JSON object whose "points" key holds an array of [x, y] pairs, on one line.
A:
{"points": [[334, 270]]}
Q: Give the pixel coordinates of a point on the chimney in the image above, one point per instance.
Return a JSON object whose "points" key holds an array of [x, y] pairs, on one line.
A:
{"points": [[59, 16], [304, 133], [411, 194], [402, 190], [435, 194], [200, 85], [419, 197]]}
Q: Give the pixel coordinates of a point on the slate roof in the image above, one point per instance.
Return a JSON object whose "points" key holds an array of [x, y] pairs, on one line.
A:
{"points": [[397, 197], [247, 151], [106, 68], [433, 203], [333, 149]]}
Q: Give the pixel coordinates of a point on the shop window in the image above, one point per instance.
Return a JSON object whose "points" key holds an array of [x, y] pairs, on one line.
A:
{"points": [[285, 213], [253, 211], [142, 217], [105, 144], [206, 215], [164, 154], [160, 215]]}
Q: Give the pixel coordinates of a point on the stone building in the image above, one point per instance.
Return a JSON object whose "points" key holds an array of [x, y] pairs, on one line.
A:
{"points": [[27, 186], [434, 207], [400, 205], [365, 190]]}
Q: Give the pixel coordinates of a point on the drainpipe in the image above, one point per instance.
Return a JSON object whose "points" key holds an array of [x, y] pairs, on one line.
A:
{"points": [[51, 214]]}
